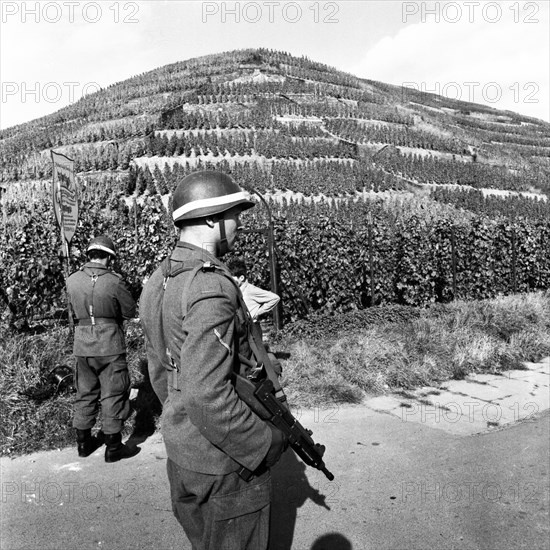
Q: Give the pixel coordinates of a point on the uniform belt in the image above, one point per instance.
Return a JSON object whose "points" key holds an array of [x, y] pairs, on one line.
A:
{"points": [[97, 321]]}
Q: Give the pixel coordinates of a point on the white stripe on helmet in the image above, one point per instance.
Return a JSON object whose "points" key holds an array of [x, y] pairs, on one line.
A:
{"points": [[205, 203], [101, 247]]}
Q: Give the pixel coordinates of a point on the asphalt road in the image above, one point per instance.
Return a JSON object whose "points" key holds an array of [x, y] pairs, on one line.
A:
{"points": [[399, 485]]}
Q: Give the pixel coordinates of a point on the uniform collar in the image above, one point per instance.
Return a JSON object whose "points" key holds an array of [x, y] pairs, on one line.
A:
{"points": [[95, 265], [184, 250]]}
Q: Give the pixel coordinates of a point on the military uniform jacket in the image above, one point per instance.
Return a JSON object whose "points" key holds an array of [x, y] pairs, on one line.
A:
{"points": [[194, 339], [111, 303]]}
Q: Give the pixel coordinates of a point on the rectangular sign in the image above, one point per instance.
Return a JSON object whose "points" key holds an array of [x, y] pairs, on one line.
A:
{"points": [[65, 198]]}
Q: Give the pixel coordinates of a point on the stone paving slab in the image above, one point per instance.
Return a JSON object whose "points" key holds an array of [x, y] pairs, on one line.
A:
{"points": [[485, 392], [477, 404], [543, 366], [512, 409], [466, 415], [542, 397], [457, 412], [505, 411], [482, 378], [519, 388], [517, 373], [540, 378], [445, 411], [435, 414], [450, 418]]}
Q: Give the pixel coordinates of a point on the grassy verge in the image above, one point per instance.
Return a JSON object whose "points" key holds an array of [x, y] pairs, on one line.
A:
{"points": [[327, 360], [33, 422], [441, 343]]}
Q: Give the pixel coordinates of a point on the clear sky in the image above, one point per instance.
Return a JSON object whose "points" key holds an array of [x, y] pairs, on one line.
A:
{"points": [[491, 52]]}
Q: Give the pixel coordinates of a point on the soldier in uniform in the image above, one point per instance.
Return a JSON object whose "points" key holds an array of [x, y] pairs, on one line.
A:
{"points": [[196, 336], [100, 302]]}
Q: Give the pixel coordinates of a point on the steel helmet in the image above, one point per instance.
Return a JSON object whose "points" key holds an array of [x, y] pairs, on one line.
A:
{"points": [[207, 193], [102, 243]]}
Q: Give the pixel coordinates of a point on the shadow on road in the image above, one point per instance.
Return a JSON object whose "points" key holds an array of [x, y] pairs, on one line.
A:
{"points": [[332, 541], [148, 408], [291, 489]]}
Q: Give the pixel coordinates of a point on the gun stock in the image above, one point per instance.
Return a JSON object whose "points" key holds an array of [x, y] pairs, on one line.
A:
{"points": [[261, 399]]}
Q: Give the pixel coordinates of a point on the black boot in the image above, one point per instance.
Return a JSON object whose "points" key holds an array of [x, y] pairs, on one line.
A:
{"points": [[86, 443], [116, 450]]}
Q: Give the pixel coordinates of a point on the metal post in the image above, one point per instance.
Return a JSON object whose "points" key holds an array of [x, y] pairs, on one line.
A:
{"points": [[136, 240], [66, 268], [277, 317], [277, 314], [453, 259], [371, 261], [67, 271], [514, 259]]}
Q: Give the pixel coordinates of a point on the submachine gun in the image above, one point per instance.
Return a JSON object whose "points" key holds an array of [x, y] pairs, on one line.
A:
{"points": [[258, 392]]}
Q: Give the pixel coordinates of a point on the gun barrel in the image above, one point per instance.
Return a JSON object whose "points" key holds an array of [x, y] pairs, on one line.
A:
{"points": [[312, 458], [260, 398]]}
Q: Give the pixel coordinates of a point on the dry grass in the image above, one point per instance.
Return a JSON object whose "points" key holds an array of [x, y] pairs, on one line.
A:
{"points": [[30, 424], [25, 360], [444, 343]]}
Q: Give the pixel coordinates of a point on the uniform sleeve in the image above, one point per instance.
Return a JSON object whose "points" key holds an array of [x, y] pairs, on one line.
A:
{"points": [[150, 312], [207, 359], [157, 372], [127, 303]]}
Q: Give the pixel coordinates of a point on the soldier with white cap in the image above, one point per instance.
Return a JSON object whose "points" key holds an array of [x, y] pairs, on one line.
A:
{"points": [[100, 302]]}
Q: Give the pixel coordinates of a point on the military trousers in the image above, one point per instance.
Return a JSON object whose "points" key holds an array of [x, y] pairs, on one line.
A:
{"points": [[221, 512], [105, 380]]}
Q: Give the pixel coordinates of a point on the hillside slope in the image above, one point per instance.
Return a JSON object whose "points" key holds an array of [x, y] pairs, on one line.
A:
{"points": [[275, 114]]}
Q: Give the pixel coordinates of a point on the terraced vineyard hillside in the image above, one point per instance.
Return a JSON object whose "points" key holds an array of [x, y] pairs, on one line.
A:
{"points": [[284, 126], [276, 115]]}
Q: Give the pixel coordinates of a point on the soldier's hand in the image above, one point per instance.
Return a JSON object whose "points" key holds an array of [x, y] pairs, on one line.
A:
{"points": [[279, 443]]}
